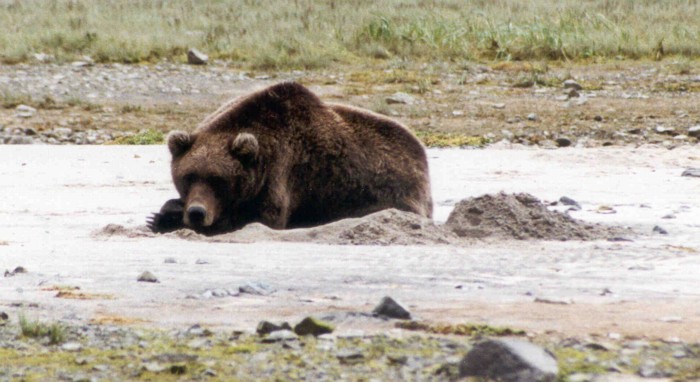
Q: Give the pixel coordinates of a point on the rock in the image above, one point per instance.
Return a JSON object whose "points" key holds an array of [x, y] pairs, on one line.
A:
{"points": [[71, 346], [4, 316], [147, 277], [694, 131], [509, 360], [694, 172], [660, 230], [400, 98], [25, 111], [565, 200], [312, 326], [665, 130], [20, 140], [499, 106], [388, 307], [154, 367], [553, 301], [280, 336], [598, 118], [195, 57], [350, 356], [257, 288], [43, 57], [179, 369], [572, 93], [169, 260], [563, 142], [201, 262], [532, 117], [267, 327], [19, 269], [571, 84]]}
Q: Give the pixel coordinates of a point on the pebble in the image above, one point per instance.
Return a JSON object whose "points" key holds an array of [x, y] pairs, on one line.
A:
{"points": [[71, 346], [572, 84], [509, 360], [25, 111], [565, 200], [147, 277], [665, 130], [694, 131], [280, 336], [572, 93], [598, 118], [660, 230], [267, 327], [692, 172], [563, 142], [195, 57], [389, 308], [532, 117], [499, 106], [400, 98], [256, 288], [170, 260], [350, 356], [312, 326]]}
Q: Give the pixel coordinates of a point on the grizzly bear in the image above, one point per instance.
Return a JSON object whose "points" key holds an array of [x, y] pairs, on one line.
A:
{"points": [[284, 158]]}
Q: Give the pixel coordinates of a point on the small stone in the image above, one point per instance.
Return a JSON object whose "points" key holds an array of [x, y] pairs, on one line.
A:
{"points": [[310, 325], [388, 307], [563, 142], [25, 111], [256, 288], [665, 130], [565, 200], [154, 367], [267, 327], [71, 346], [280, 336], [694, 131], [201, 262], [554, 301], [668, 216], [20, 269], [170, 260], [147, 277], [20, 140], [671, 319], [400, 98], [499, 106], [693, 172], [4, 316], [195, 57], [571, 84], [598, 118], [349, 357], [572, 93], [509, 360], [532, 117], [660, 230], [209, 373]]}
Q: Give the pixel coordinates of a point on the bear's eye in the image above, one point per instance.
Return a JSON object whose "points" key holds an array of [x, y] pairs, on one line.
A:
{"points": [[190, 178], [217, 182]]}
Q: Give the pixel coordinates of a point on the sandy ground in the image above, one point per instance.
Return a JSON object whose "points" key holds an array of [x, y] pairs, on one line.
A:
{"points": [[55, 197]]}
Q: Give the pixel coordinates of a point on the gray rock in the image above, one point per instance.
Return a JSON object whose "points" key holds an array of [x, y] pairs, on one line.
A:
{"points": [[267, 327], [567, 201], [400, 98], [572, 93], [257, 288], [147, 277], [532, 117], [71, 346], [694, 131], [660, 230], [509, 360], [694, 172], [571, 84], [280, 336], [665, 130], [154, 367], [25, 111], [598, 118], [195, 57], [4, 316], [170, 260], [388, 307], [499, 106], [350, 356]]}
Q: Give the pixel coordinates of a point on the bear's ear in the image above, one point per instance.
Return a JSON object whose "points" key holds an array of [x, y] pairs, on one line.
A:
{"points": [[244, 148], [179, 142]]}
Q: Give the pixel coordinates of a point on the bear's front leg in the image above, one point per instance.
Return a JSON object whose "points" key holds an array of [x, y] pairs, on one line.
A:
{"points": [[170, 217]]}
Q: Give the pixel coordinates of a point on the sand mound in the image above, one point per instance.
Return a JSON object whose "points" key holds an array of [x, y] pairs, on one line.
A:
{"points": [[500, 217], [521, 217]]}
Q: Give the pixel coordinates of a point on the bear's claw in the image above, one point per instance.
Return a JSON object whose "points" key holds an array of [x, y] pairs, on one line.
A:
{"points": [[170, 217]]}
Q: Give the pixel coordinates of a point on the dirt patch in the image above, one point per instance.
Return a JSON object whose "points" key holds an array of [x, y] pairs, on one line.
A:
{"points": [[521, 217], [494, 216]]}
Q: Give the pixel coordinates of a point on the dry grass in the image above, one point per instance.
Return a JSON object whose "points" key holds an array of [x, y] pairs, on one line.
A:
{"points": [[317, 33]]}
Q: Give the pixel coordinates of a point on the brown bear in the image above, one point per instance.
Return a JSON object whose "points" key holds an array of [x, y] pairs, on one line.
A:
{"points": [[284, 158]]}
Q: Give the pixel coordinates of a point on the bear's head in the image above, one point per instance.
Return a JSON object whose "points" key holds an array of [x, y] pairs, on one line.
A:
{"points": [[215, 173]]}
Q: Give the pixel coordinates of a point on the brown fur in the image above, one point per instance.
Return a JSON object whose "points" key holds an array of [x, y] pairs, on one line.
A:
{"points": [[282, 157]]}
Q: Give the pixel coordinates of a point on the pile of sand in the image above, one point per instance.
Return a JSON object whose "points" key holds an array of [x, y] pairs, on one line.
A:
{"points": [[521, 217], [500, 217]]}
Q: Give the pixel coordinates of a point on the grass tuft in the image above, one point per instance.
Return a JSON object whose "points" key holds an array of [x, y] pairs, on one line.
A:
{"points": [[143, 137], [55, 332]]}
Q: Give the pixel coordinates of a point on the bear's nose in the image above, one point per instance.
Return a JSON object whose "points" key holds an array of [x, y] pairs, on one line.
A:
{"points": [[196, 215]]}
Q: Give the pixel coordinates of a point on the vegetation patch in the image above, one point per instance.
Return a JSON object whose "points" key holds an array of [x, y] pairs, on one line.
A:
{"points": [[36, 329], [471, 330], [436, 139], [143, 137]]}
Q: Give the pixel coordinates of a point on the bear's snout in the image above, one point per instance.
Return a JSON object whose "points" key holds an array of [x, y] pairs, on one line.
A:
{"points": [[197, 215]]}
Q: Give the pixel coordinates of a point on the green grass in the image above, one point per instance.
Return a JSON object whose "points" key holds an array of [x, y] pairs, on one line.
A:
{"points": [[319, 33], [36, 329], [143, 137]]}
